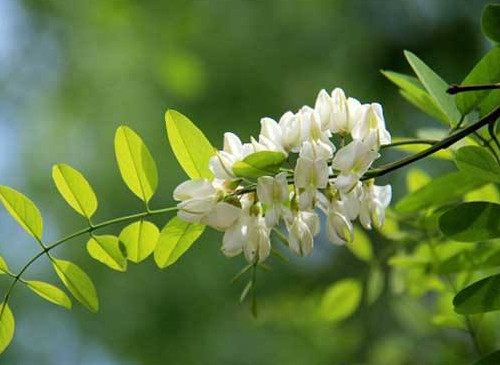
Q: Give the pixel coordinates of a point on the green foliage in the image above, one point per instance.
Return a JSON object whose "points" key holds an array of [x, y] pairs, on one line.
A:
{"points": [[478, 162], [78, 283], [375, 284], [480, 297], [191, 148], [471, 222], [490, 22], [361, 247], [259, 164], [23, 210], [107, 250], [416, 179], [490, 359], [140, 239], [175, 239], [415, 148], [75, 189], [4, 269], [137, 167], [50, 292], [7, 326], [341, 300]]}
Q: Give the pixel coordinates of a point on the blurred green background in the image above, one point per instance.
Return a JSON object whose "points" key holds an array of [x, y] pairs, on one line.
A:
{"points": [[72, 71]]}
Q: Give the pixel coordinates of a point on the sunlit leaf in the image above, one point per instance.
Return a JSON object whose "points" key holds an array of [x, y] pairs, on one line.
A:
{"points": [[7, 326], [78, 283], [415, 148], [191, 148], [375, 285], [50, 292], [4, 269], [479, 297], [478, 162], [445, 315], [361, 247], [471, 222], [23, 210], [341, 299], [489, 103], [490, 359], [140, 239], [259, 164], [487, 192], [175, 239], [490, 22], [137, 167], [436, 87], [416, 179], [75, 189], [107, 250]]}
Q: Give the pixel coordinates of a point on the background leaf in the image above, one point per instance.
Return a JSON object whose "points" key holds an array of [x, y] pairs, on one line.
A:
{"points": [[4, 269], [137, 167], [341, 300], [416, 179], [490, 359], [480, 297], [375, 284], [175, 239], [7, 326], [140, 239], [490, 22], [259, 164], [50, 292], [191, 148], [478, 162], [107, 250], [23, 210], [361, 247], [75, 189]]}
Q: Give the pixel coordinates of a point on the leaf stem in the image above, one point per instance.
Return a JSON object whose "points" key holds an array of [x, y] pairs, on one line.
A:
{"points": [[455, 89]]}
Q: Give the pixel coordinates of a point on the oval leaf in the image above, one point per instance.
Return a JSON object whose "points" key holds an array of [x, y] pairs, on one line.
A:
{"points": [[375, 285], [140, 239], [471, 222], [50, 292], [480, 297], [341, 299], [416, 179], [361, 247], [191, 148], [259, 164], [478, 162], [4, 269], [7, 326], [137, 167], [78, 283], [23, 210], [175, 239], [490, 22], [75, 189], [107, 250]]}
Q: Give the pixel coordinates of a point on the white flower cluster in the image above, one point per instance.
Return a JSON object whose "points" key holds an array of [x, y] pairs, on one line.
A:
{"points": [[322, 177]]}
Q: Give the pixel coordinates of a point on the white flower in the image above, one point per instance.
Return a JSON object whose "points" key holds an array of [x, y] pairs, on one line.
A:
{"points": [[353, 161], [372, 122], [235, 237], [301, 231], [222, 163], [274, 193], [339, 229], [271, 136], [258, 245], [338, 113], [374, 200]]}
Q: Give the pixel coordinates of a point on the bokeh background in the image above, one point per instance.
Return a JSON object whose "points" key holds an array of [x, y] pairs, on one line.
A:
{"points": [[72, 71]]}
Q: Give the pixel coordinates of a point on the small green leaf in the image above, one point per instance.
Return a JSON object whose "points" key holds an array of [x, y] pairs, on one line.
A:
{"points": [[75, 189], [471, 222], [361, 247], [137, 167], [7, 326], [78, 283], [375, 285], [489, 103], [490, 359], [140, 239], [478, 162], [23, 210], [490, 22], [341, 300], [4, 269], [191, 148], [436, 87], [50, 292], [107, 250], [479, 297], [438, 192], [416, 179], [175, 239], [259, 164]]}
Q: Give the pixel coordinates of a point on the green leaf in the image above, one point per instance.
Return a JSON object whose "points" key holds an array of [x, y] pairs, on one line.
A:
{"points": [[341, 300], [415, 148], [478, 162], [259, 164], [438, 192], [489, 103], [107, 250], [490, 359], [175, 239], [191, 148], [375, 285], [4, 269], [416, 179], [78, 283], [140, 239], [486, 71], [7, 326], [23, 210], [471, 222], [479, 297], [50, 292], [137, 167], [75, 189], [436, 87], [361, 247], [490, 22]]}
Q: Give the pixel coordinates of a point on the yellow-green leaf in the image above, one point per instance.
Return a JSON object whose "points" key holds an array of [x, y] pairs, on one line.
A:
{"points": [[140, 239], [259, 164], [23, 210], [375, 285], [361, 247], [341, 300], [416, 179], [78, 283], [7, 326], [137, 167], [175, 239], [75, 189], [191, 148], [416, 148], [50, 292], [4, 269], [107, 250]]}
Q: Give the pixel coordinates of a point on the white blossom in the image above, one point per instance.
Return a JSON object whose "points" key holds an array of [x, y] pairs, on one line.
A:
{"points": [[301, 231], [374, 200], [258, 246], [338, 113], [372, 122], [274, 193]]}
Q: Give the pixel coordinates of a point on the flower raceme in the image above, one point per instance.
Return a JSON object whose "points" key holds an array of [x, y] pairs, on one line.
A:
{"points": [[323, 153]]}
